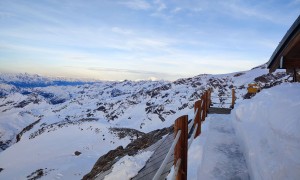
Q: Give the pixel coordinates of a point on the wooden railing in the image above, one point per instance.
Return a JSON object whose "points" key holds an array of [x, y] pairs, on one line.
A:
{"points": [[182, 130], [232, 97]]}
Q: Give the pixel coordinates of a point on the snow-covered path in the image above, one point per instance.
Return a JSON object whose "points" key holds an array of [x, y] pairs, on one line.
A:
{"points": [[222, 156]]}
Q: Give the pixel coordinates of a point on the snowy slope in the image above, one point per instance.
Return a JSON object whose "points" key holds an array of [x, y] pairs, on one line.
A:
{"points": [[44, 126], [268, 127], [54, 152]]}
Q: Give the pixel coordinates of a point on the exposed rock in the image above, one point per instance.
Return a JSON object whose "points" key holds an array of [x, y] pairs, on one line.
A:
{"points": [[154, 92], [5, 144], [268, 78], [241, 87], [22, 104], [27, 128], [101, 108], [263, 66], [123, 132], [77, 153], [116, 92], [39, 174], [33, 98], [249, 95], [106, 161], [183, 106], [7, 103], [238, 74], [36, 175], [57, 100], [161, 118]]}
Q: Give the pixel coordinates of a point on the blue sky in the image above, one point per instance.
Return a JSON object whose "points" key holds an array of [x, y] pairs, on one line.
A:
{"points": [[139, 39]]}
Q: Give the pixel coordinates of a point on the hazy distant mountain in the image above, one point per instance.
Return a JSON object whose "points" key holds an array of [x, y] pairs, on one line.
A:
{"points": [[25, 80]]}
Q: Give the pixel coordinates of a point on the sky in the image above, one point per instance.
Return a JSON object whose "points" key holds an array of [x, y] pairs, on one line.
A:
{"points": [[140, 39]]}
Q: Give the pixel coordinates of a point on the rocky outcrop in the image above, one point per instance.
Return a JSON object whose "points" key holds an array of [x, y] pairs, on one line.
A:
{"points": [[38, 174], [5, 144], [27, 128], [77, 153], [123, 132], [106, 161], [32, 99]]}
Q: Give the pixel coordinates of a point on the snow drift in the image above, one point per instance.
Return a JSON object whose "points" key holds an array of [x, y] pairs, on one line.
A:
{"points": [[268, 126]]}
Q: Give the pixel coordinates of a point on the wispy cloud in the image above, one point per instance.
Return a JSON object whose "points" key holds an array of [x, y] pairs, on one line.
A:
{"points": [[135, 74], [159, 38], [137, 4], [121, 30], [176, 10], [160, 5], [241, 11], [152, 73]]}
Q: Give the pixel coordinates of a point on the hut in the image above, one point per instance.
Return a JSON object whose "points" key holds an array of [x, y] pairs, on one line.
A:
{"points": [[287, 54]]}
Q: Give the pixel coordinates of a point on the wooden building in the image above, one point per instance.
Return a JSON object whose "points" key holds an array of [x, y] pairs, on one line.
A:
{"points": [[287, 54]]}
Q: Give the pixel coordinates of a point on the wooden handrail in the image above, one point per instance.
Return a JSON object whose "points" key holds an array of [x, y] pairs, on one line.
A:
{"points": [[176, 169], [180, 151], [194, 120], [164, 163], [197, 117], [233, 98], [181, 132]]}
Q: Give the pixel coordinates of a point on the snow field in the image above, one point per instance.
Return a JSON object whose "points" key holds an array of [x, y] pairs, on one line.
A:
{"points": [[55, 151]]}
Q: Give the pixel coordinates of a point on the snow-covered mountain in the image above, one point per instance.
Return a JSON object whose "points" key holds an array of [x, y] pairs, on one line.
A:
{"points": [[25, 80], [60, 130]]}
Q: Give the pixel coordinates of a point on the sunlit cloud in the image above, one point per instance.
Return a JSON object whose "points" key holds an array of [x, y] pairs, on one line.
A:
{"points": [[141, 72]]}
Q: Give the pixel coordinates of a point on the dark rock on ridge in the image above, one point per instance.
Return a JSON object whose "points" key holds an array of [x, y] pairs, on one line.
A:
{"points": [[106, 161]]}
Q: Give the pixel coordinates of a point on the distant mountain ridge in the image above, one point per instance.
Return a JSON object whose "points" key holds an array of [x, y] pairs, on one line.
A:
{"points": [[25, 80]]}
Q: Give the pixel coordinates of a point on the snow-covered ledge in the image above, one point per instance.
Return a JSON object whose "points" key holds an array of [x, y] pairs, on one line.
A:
{"points": [[268, 127]]}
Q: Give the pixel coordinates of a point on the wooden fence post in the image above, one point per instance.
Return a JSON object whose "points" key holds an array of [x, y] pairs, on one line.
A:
{"points": [[205, 102], [208, 98], [197, 117], [202, 108], [180, 151], [233, 98], [210, 90]]}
